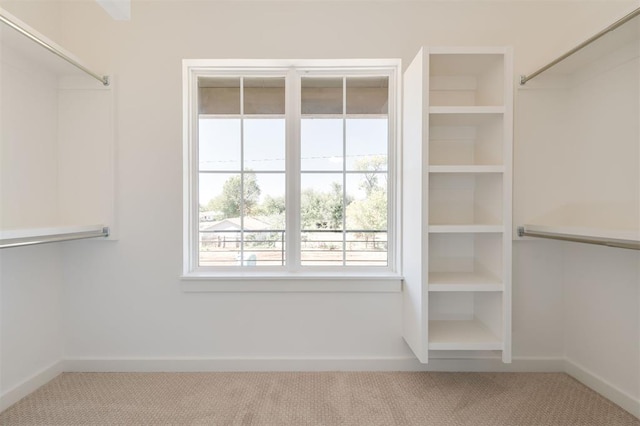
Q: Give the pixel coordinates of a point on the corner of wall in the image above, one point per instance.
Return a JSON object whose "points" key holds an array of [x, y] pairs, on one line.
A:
{"points": [[30, 384]]}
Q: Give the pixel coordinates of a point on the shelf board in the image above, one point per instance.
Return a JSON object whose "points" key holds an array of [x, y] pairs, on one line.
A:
{"points": [[442, 229], [462, 335], [466, 169], [463, 281], [466, 110]]}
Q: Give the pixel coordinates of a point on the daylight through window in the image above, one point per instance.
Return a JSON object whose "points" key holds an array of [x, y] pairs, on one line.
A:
{"points": [[291, 169]]}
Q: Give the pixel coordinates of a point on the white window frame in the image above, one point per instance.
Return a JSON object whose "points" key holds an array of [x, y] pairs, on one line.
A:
{"points": [[343, 278]]}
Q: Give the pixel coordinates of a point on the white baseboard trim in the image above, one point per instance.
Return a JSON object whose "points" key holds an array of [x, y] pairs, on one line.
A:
{"points": [[308, 364], [604, 388], [29, 385]]}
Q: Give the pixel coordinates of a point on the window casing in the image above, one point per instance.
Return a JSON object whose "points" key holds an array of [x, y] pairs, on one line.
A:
{"points": [[312, 146]]}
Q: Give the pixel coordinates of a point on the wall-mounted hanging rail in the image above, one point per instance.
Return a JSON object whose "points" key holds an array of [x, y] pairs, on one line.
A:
{"points": [[530, 231], [102, 78], [618, 23], [10, 239]]}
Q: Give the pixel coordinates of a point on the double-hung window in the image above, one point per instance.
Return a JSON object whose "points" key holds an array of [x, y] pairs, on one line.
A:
{"points": [[290, 167]]}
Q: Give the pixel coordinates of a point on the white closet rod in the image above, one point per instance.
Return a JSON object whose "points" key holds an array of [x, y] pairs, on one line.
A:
{"points": [[618, 23], [43, 239], [104, 79], [609, 242]]}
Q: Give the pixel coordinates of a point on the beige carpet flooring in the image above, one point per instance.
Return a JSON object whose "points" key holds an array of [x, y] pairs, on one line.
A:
{"points": [[331, 398]]}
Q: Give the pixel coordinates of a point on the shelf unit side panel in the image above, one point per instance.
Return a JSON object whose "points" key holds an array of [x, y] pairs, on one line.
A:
{"points": [[507, 188], [415, 181]]}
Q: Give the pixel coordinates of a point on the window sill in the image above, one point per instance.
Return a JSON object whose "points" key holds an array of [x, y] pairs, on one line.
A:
{"points": [[291, 283]]}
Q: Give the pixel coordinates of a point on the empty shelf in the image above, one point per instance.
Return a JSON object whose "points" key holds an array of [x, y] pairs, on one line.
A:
{"points": [[464, 281], [466, 110], [465, 228], [466, 169], [461, 335]]}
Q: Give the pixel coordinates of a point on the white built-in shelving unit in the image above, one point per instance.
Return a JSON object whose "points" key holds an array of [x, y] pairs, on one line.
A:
{"points": [[58, 143], [457, 154]]}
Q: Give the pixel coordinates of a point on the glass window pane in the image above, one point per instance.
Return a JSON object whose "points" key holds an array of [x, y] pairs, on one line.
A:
{"points": [[214, 198], [221, 239], [366, 218], [322, 248], [264, 248], [366, 248], [367, 143], [361, 185], [267, 210], [264, 95], [321, 201], [321, 95], [218, 95], [367, 207], [219, 247], [219, 236], [264, 144], [264, 220], [367, 95], [219, 144], [321, 144]]}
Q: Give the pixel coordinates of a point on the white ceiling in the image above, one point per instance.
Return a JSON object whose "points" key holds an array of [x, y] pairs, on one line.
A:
{"points": [[120, 10]]}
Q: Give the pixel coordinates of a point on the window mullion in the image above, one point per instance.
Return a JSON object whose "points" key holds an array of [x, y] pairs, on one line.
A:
{"points": [[242, 212], [292, 172], [344, 171], [193, 154]]}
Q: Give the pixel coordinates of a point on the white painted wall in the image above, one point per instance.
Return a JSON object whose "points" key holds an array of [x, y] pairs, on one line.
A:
{"points": [[43, 15], [28, 168], [580, 166], [537, 299], [580, 151], [134, 306], [602, 316], [602, 286], [31, 335], [122, 300], [31, 338], [38, 184]]}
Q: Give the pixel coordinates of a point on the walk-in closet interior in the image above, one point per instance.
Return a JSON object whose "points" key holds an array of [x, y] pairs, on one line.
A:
{"points": [[516, 197]]}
